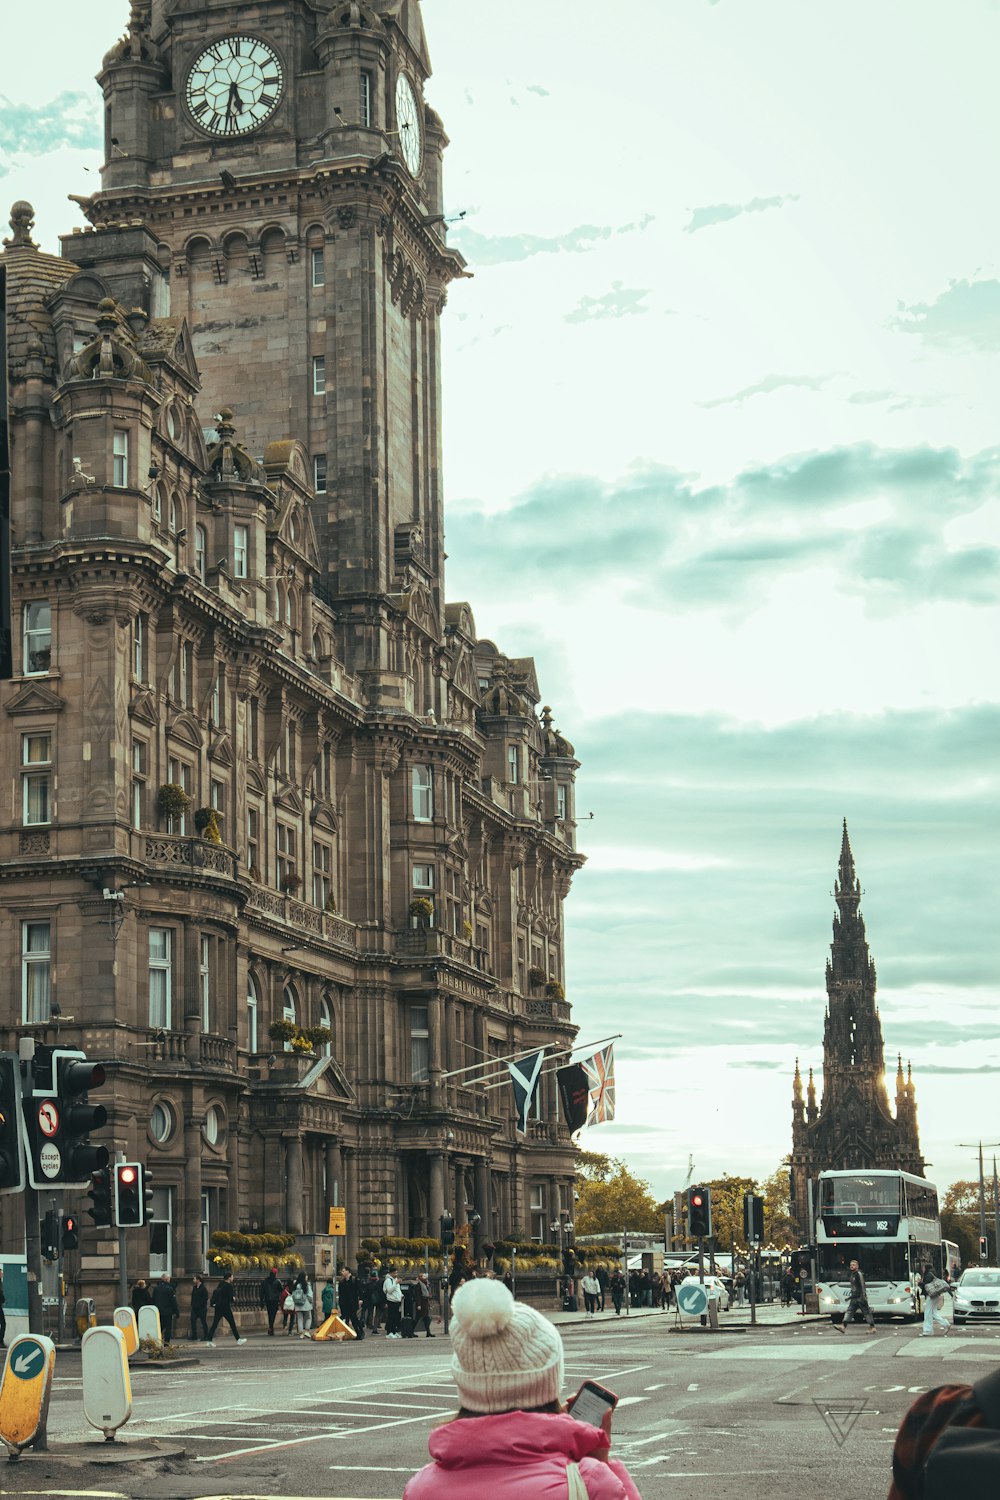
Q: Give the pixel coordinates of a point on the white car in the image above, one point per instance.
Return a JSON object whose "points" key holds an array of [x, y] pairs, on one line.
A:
{"points": [[716, 1289], [978, 1294]]}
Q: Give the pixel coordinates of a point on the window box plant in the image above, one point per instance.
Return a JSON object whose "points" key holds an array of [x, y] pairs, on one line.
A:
{"points": [[172, 801], [422, 908], [206, 822], [536, 975], [554, 990], [290, 884], [282, 1030]]}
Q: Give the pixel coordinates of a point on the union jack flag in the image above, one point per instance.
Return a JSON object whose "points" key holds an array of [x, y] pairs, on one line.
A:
{"points": [[600, 1071]]}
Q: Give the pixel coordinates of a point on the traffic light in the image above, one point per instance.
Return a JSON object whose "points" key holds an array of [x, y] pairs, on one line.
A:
{"points": [[50, 1235], [700, 1213], [146, 1177], [58, 1119], [11, 1153], [128, 1195], [984, 1249], [447, 1229], [69, 1236], [753, 1217], [100, 1196]]}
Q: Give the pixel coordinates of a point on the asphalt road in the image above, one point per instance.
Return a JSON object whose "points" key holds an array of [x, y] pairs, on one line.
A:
{"points": [[756, 1415]]}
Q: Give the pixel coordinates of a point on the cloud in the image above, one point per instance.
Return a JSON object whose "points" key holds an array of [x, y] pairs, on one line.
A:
{"points": [[721, 213], [536, 88], [662, 543], [71, 119], [502, 249], [870, 398], [768, 385], [618, 303], [966, 316]]}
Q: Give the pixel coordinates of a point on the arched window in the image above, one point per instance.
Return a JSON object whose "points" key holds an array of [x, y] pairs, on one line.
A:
{"points": [[288, 1011], [326, 1019], [253, 1011]]}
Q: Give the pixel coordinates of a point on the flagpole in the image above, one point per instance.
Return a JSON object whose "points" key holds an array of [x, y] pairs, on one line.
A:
{"points": [[495, 1080], [528, 1051]]}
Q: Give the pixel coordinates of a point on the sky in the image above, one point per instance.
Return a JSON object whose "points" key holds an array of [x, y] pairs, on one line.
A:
{"points": [[722, 452]]}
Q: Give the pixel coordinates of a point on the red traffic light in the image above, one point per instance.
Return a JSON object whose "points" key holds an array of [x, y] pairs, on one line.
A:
{"points": [[697, 1199], [127, 1175]]}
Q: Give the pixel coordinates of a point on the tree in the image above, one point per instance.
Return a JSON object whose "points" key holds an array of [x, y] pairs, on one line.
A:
{"points": [[960, 1217], [727, 1208], [611, 1198], [779, 1226]]}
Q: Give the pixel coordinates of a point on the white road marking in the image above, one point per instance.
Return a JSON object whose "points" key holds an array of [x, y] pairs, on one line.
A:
{"points": [[654, 1387], [630, 1400], [694, 1386]]}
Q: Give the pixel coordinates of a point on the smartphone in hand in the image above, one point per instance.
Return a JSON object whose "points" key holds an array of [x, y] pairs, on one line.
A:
{"points": [[593, 1404]]}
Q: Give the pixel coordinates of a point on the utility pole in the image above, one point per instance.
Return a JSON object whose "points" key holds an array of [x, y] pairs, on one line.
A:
{"points": [[968, 1146]]}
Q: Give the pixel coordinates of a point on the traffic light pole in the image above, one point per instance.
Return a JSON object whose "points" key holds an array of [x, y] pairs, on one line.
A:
{"points": [[122, 1271], [33, 1253]]}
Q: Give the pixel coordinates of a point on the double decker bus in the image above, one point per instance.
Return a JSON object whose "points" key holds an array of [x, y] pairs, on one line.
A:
{"points": [[889, 1223]]}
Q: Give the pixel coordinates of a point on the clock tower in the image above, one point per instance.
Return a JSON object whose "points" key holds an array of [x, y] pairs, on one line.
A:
{"points": [[283, 158]]}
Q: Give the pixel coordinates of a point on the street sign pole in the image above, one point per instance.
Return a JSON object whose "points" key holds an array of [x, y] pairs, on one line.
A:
{"points": [[33, 1255], [753, 1283], [122, 1266]]}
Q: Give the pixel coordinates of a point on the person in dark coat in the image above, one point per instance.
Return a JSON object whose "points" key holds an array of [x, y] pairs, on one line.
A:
{"points": [[602, 1281], [348, 1298], [199, 1307], [164, 1299], [422, 1305], [140, 1296], [222, 1301], [272, 1294], [858, 1303], [374, 1301], [618, 1288]]}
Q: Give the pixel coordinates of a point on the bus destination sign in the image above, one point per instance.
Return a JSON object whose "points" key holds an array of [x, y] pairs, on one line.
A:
{"points": [[854, 1225]]}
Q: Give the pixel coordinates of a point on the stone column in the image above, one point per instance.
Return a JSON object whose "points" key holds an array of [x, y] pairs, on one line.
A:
{"points": [[482, 1194], [293, 1185], [351, 1204], [506, 1219], [334, 1175], [186, 1227], [437, 1163], [435, 1022], [459, 1193]]}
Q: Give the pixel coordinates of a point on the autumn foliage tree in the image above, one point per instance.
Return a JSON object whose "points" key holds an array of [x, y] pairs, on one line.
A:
{"points": [[611, 1198], [960, 1218]]}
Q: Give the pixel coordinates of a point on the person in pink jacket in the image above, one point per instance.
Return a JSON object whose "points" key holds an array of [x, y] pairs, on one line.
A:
{"points": [[511, 1436]]}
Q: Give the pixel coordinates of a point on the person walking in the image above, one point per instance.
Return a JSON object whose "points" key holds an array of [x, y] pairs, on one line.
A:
{"points": [[422, 1304], [140, 1296], [602, 1280], [302, 1301], [512, 1435], [393, 1293], [164, 1299], [858, 1302], [934, 1291], [287, 1307], [349, 1299], [222, 1301], [618, 1289], [271, 1297], [199, 1307], [591, 1288]]}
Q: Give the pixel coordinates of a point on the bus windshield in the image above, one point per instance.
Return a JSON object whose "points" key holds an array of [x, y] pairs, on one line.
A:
{"points": [[879, 1261], [860, 1194]]}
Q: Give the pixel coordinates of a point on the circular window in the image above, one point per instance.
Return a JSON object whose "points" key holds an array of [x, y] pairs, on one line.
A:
{"points": [[161, 1122], [215, 1125]]}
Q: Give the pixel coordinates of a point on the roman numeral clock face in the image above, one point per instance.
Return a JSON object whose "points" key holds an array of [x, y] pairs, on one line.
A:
{"points": [[234, 85]]}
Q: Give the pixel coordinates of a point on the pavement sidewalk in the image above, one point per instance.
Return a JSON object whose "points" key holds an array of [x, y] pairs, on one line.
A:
{"points": [[769, 1315]]}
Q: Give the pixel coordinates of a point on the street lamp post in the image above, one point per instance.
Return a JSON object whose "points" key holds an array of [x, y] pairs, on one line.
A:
{"points": [[563, 1227]]}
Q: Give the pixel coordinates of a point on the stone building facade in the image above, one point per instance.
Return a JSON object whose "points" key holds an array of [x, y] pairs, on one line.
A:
{"points": [[225, 402], [853, 1125]]}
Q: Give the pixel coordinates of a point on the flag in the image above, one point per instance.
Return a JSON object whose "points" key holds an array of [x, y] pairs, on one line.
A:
{"points": [[600, 1071], [524, 1076], [574, 1091]]}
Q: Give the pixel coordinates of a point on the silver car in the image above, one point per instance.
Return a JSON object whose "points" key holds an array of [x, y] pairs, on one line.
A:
{"points": [[978, 1294]]}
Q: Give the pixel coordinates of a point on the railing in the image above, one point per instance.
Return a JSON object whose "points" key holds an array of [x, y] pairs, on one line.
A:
{"points": [[552, 1010], [325, 925], [215, 1052], [174, 1049], [181, 850], [168, 1047], [421, 942]]}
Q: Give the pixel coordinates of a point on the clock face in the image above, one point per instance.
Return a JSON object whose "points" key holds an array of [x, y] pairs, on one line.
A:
{"points": [[234, 85], [411, 135]]}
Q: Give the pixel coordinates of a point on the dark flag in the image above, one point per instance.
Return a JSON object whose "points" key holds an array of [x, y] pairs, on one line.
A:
{"points": [[524, 1076], [574, 1091]]}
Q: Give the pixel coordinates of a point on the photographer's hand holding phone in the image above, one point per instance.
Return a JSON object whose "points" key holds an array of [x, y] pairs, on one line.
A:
{"points": [[594, 1404]]}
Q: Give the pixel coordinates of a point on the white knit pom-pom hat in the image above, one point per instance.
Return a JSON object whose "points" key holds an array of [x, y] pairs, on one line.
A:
{"points": [[505, 1355]]}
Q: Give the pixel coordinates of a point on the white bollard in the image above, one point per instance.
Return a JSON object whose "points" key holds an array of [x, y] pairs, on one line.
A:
{"points": [[107, 1390]]}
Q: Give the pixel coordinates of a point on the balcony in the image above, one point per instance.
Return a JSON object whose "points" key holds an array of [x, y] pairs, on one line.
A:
{"points": [[325, 926], [177, 1050], [431, 942], [181, 851]]}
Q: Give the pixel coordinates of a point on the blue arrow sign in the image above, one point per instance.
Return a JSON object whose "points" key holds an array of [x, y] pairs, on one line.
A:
{"points": [[692, 1299], [27, 1360]]}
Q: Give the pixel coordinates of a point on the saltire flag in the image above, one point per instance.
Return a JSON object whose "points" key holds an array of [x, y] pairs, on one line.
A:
{"points": [[574, 1092], [600, 1071], [524, 1076]]}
